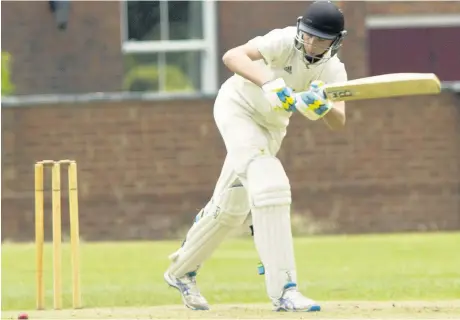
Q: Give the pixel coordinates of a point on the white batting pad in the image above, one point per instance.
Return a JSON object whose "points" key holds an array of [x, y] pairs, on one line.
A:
{"points": [[270, 195], [211, 227]]}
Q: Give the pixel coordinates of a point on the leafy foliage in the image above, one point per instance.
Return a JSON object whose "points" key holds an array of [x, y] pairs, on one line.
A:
{"points": [[7, 85], [147, 78]]}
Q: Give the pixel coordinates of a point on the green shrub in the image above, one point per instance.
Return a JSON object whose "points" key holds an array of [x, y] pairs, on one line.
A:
{"points": [[7, 85], [146, 77]]}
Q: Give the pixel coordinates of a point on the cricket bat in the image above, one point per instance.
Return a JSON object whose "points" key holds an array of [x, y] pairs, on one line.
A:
{"points": [[384, 86]]}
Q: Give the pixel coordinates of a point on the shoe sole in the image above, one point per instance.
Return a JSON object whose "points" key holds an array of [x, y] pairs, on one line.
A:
{"points": [[313, 308], [172, 285]]}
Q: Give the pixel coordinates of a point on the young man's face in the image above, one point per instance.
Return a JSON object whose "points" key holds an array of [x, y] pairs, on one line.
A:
{"points": [[315, 46]]}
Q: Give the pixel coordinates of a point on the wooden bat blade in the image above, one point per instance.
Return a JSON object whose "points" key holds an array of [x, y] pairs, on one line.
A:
{"points": [[384, 86]]}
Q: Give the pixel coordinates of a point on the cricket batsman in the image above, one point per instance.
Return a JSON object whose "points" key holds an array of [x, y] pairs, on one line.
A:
{"points": [[275, 76]]}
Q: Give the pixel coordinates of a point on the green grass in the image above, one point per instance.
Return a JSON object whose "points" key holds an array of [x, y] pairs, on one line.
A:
{"points": [[378, 267]]}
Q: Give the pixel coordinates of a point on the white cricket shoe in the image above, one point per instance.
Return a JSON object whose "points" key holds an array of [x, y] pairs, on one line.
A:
{"points": [[188, 289], [292, 300]]}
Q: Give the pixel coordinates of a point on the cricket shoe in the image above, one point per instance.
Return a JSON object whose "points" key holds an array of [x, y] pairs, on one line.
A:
{"points": [[188, 289], [292, 300]]}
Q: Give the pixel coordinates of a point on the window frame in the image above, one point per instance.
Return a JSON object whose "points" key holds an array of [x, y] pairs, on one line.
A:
{"points": [[207, 47], [412, 21]]}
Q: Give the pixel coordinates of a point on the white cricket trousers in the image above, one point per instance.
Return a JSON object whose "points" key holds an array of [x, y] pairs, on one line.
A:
{"points": [[244, 140]]}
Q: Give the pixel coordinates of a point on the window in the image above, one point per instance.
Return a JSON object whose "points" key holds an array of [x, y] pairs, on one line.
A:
{"points": [[170, 46], [415, 44]]}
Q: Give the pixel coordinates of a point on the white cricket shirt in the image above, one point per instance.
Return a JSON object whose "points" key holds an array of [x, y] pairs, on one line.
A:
{"points": [[284, 61]]}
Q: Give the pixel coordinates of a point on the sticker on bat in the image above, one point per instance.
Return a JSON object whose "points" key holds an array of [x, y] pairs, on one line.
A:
{"points": [[340, 94]]}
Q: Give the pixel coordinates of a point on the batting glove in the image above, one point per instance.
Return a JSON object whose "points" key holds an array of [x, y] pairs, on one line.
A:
{"points": [[313, 103], [279, 95]]}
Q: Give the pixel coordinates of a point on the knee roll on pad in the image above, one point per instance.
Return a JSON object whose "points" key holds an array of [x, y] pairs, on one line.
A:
{"points": [[210, 229], [268, 184]]}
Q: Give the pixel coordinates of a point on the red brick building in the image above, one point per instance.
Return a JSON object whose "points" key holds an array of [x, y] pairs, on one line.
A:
{"points": [[146, 165]]}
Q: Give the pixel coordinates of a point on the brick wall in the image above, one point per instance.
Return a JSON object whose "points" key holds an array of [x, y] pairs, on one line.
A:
{"points": [[84, 58], [145, 168], [412, 7], [142, 167]]}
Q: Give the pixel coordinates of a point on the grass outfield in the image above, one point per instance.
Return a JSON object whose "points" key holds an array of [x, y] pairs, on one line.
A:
{"points": [[383, 268]]}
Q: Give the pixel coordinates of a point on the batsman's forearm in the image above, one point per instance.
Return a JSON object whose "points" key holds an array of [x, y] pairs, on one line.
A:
{"points": [[335, 119], [242, 65]]}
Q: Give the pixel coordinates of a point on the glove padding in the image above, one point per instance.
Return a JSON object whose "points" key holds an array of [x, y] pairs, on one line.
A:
{"points": [[313, 103], [279, 95]]}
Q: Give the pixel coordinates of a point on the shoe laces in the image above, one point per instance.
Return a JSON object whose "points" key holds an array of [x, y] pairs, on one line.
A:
{"points": [[188, 284], [293, 293]]}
